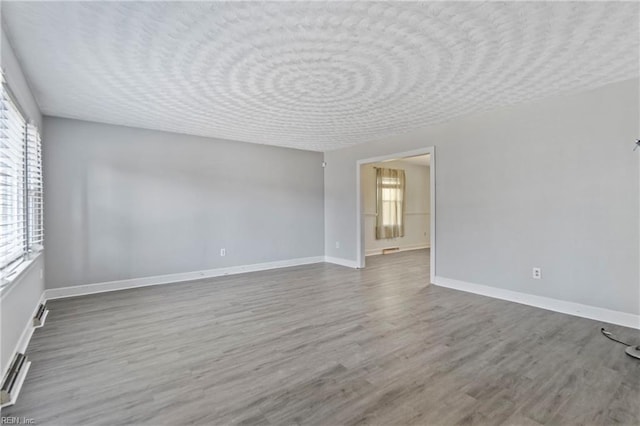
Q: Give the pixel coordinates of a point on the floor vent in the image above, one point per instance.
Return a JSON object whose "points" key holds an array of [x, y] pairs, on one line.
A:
{"points": [[14, 379], [41, 316], [390, 250]]}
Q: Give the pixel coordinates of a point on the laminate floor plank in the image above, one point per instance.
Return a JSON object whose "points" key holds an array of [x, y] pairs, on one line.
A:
{"points": [[323, 345]]}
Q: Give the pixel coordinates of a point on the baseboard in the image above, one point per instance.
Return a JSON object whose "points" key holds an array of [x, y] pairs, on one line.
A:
{"points": [[25, 337], [571, 308], [343, 262], [376, 252], [81, 290]]}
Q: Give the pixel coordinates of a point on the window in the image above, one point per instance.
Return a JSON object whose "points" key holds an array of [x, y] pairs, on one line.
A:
{"points": [[35, 230], [390, 203], [21, 214]]}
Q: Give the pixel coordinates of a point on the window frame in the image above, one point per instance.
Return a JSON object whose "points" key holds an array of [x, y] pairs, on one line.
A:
{"points": [[13, 269], [392, 189]]}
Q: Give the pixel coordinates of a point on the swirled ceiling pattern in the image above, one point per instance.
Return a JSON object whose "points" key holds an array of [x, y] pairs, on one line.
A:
{"points": [[316, 76]]}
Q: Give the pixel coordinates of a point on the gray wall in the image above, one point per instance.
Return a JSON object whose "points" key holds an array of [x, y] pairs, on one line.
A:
{"points": [[127, 203], [17, 303], [552, 184], [17, 307]]}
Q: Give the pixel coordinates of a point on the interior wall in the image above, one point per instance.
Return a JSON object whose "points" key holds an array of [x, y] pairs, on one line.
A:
{"points": [[417, 204], [550, 184], [18, 302], [128, 203], [17, 308]]}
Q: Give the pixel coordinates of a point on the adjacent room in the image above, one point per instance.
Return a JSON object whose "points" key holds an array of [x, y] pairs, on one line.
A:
{"points": [[320, 213], [395, 208]]}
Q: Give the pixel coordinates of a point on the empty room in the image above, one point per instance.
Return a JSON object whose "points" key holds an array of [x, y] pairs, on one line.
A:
{"points": [[320, 213]]}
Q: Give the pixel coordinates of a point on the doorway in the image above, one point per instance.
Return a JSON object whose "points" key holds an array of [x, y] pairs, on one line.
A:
{"points": [[407, 196]]}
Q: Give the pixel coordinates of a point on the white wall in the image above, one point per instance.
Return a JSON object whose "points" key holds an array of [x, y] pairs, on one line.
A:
{"points": [[552, 184], [17, 308], [18, 302], [125, 203], [416, 207]]}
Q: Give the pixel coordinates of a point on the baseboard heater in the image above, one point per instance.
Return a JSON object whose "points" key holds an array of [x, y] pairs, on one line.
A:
{"points": [[390, 250], [41, 316], [14, 380]]}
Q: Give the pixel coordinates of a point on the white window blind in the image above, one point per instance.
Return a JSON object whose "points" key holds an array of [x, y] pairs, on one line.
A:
{"points": [[35, 231], [21, 209], [12, 184]]}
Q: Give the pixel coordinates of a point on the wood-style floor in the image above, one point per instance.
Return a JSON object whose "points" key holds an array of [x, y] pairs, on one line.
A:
{"points": [[325, 345]]}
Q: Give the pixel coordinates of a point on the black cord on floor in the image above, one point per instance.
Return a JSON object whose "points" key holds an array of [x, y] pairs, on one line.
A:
{"points": [[609, 336]]}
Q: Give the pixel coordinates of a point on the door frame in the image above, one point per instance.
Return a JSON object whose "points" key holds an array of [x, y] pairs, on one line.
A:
{"points": [[431, 150]]}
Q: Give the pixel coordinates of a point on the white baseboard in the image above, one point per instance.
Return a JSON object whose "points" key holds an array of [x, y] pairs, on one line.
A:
{"points": [[80, 290], [378, 251], [343, 262], [571, 308], [25, 337]]}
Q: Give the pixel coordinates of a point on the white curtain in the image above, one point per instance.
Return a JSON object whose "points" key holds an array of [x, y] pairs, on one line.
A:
{"points": [[390, 185]]}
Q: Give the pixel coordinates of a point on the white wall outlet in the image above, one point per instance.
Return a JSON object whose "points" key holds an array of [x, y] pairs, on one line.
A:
{"points": [[337, 244], [41, 273], [537, 273], [223, 252]]}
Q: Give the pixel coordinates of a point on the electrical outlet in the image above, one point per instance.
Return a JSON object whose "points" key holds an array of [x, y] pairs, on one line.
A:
{"points": [[223, 252], [537, 273], [338, 244], [41, 273]]}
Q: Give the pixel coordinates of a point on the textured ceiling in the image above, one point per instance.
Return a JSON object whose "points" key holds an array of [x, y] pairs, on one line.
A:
{"points": [[316, 76]]}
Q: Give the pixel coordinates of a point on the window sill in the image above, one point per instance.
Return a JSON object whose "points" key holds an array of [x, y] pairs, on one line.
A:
{"points": [[9, 282]]}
